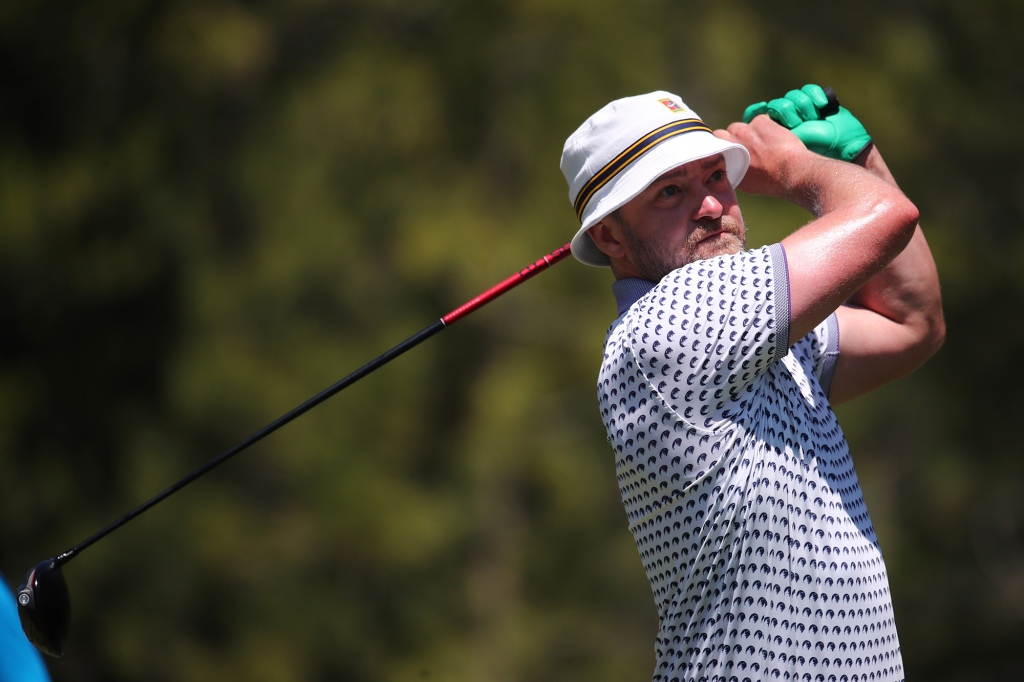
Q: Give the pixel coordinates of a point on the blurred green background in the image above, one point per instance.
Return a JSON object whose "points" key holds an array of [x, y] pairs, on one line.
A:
{"points": [[210, 210]]}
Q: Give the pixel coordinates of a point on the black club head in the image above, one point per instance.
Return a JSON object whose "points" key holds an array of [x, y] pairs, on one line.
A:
{"points": [[44, 607]]}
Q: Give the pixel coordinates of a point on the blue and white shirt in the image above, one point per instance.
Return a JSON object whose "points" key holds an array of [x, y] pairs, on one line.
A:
{"points": [[737, 481]]}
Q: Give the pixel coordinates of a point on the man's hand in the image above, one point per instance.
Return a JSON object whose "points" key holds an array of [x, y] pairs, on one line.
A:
{"points": [[838, 135], [777, 157]]}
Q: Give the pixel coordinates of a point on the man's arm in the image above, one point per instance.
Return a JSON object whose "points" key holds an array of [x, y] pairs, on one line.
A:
{"points": [[861, 222], [893, 323]]}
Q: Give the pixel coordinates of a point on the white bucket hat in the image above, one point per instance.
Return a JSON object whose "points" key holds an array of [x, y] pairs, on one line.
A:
{"points": [[626, 146]]}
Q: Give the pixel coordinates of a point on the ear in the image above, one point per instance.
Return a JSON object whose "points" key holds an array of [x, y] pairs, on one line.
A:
{"points": [[607, 238]]}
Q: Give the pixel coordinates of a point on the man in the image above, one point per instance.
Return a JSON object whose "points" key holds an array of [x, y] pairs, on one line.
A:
{"points": [[719, 373]]}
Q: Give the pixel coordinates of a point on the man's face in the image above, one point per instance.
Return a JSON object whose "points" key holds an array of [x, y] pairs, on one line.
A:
{"points": [[689, 213]]}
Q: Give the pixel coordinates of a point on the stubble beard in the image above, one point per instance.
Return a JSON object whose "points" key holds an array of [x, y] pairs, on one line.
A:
{"points": [[653, 263]]}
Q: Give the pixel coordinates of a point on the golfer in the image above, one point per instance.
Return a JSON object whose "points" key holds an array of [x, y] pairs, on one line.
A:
{"points": [[721, 368]]}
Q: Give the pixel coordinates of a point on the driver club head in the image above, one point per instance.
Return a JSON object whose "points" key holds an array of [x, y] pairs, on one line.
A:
{"points": [[44, 607]]}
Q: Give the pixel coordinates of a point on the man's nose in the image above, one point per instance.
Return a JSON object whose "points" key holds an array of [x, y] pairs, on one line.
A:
{"points": [[710, 207]]}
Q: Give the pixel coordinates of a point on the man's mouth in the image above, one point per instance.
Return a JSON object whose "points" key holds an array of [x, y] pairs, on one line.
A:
{"points": [[713, 234], [708, 228]]}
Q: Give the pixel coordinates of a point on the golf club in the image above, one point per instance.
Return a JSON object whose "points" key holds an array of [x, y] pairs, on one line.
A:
{"points": [[833, 102], [44, 604]]}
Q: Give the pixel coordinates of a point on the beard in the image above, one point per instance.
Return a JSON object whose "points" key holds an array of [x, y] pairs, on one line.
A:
{"points": [[654, 261]]}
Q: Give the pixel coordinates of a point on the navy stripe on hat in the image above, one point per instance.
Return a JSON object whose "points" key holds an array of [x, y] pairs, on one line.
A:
{"points": [[631, 153]]}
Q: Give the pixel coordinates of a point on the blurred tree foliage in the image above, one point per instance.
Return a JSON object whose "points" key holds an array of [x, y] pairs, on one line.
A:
{"points": [[212, 209]]}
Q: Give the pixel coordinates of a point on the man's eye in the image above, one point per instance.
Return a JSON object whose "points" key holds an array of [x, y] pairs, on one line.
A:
{"points": [[669, 191], [718, 176]]}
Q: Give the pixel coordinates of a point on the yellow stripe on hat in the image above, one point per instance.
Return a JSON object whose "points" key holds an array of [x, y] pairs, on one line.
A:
{"points": [[630, 154]]}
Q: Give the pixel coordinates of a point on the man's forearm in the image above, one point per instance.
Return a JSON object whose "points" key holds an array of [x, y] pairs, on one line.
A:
{"points": [[907, 290]]}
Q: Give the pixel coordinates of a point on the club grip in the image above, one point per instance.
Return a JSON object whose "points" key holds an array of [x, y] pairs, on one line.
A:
{"points": [[833, 102]]}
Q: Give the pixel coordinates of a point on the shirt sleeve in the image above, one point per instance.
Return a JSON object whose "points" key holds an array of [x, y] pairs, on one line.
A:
{"points": [[706, 333], [819, 351]]}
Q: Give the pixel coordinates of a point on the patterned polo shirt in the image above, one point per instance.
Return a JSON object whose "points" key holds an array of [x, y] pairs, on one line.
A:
{"points": [[737, 481]]}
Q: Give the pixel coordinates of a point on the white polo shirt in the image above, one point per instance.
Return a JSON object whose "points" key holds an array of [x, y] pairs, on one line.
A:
{"points": [[737, 481]]}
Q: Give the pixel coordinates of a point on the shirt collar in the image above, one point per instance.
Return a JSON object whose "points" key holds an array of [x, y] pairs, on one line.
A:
{"points": [[629, 290]]}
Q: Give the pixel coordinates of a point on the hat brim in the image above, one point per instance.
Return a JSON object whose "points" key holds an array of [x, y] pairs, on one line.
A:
{"points": [[668, 155]]}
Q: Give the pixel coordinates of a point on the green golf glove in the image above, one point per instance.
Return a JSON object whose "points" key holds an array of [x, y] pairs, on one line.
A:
{"points": [[838, 135]]}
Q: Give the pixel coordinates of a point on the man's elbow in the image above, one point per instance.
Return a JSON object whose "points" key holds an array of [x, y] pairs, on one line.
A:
{"points": [[929, 336], [935, 336], [905, 216], [895, 218]]}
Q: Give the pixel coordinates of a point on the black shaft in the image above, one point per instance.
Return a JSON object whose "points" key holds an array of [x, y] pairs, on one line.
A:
{"points": [[414, 340], [355, 376]]}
